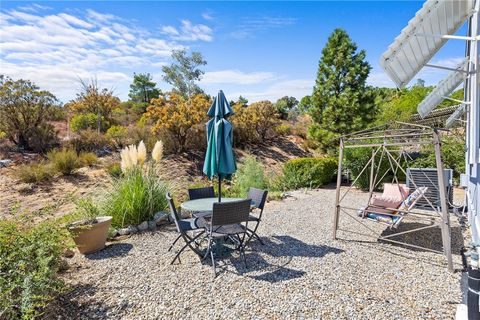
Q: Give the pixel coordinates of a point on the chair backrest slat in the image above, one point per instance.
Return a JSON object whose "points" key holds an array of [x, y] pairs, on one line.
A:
{"points": [[258, 196], [173, 211], [233, 212], [201, 193]]}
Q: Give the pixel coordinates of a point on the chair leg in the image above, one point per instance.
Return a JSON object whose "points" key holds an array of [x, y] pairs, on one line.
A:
{"points": [[213, 264], [174, 243], [188, 243], [259, 239], [177, 256], [241, 249], [193, 240], [253, 233]]}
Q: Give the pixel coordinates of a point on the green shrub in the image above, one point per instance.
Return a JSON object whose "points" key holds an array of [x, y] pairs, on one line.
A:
{"points": [[283, 129], [114, 169], [85, 210], [90, 141], [135, 197], [84, 121], [309, 144], [250, 174], [43, 137], [308, 172], [64, 161], [30, 257], [119, 135], [88, 159], [34, 173], [453, 155]]}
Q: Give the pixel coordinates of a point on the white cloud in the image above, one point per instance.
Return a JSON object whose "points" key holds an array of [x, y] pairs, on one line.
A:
{"points": [[249, 26], [54, 50], [35, 7], [380, 79], [236, 77], [62, 79], [207, 16], [189, 32], [297, 88]]}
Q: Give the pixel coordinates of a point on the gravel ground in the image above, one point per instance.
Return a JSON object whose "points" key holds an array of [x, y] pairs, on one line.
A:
{"points": [[300, 273]]}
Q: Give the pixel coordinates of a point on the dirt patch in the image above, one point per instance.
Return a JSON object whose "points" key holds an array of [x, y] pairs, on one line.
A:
{"points": [[48, 199]]}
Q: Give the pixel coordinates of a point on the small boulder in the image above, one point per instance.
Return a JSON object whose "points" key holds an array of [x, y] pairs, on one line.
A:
{"points": [[5, 163], [152, 225], [160, 217], [143, 226], [132, 229], [123, 231]]}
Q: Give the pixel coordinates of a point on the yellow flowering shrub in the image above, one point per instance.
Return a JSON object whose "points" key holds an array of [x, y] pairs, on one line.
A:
{"points": [[177, 115]]}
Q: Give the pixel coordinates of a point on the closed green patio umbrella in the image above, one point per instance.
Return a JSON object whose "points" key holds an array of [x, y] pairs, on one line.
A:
{"points": [[219, 158]]}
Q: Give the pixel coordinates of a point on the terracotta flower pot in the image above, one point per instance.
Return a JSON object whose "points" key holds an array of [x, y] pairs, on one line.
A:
{"points": [[90, 238]]}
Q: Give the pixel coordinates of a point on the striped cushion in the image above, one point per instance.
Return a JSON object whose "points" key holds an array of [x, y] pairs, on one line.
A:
{"points": [[190, 224]]}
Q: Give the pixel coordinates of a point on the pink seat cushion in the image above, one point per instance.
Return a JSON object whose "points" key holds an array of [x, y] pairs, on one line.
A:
{"points": [[373, 209], [395, 191], [390, 202]]}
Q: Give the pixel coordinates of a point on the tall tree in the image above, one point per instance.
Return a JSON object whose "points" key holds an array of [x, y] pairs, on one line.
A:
{"points": [[305, 104], [341, 102], [284, 105], [184, 72], [24, 111], [143, 89]]}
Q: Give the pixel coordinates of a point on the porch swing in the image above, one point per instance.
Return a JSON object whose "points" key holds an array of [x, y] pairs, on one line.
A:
{"points": [[396, 200], [397, 203]]}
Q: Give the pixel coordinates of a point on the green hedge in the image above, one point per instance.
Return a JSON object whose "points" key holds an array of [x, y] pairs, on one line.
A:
{"points": [[308, 172]]}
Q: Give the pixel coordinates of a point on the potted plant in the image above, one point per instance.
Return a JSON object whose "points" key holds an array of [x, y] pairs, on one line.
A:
{"points": [[90, 230]]}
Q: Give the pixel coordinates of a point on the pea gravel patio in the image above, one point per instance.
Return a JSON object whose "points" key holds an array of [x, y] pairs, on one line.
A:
{"points": [[299, 274]]}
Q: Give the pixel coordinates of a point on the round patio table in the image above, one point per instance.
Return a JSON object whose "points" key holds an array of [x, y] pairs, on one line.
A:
{"points": [[204, 207]]}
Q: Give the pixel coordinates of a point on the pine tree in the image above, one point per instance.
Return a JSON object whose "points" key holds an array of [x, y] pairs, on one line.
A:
{"points": [[143, 89], [341, 101]]}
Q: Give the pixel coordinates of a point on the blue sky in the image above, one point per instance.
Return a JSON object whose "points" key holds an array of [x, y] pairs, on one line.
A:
{"points": [[261, 50]]}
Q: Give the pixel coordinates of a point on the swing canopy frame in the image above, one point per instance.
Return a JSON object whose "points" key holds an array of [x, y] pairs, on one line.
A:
{"points": [[390, 143]]}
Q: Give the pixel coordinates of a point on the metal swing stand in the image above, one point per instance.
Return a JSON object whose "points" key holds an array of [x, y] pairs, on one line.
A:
{"points": [[387, 141]]}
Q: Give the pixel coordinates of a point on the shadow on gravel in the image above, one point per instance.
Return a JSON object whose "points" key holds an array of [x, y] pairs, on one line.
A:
{"points": [[282, 249], [111, 251], [69, 305], [292, 247], [428, 238]]}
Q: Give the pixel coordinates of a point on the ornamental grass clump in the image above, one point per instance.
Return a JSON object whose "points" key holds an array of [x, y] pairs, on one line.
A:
{"points": [[64, 161], [139, 192], [35, 172]]}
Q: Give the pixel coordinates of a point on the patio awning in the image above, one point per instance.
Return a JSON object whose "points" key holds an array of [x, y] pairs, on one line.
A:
{"points": [[424, 35], [443, 89]]}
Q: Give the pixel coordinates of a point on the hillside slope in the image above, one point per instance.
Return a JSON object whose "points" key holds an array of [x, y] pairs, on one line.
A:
{"points": [[56, 198]]}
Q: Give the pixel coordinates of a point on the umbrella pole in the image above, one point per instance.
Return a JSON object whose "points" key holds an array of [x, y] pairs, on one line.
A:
{"points": [[219, 189]]}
